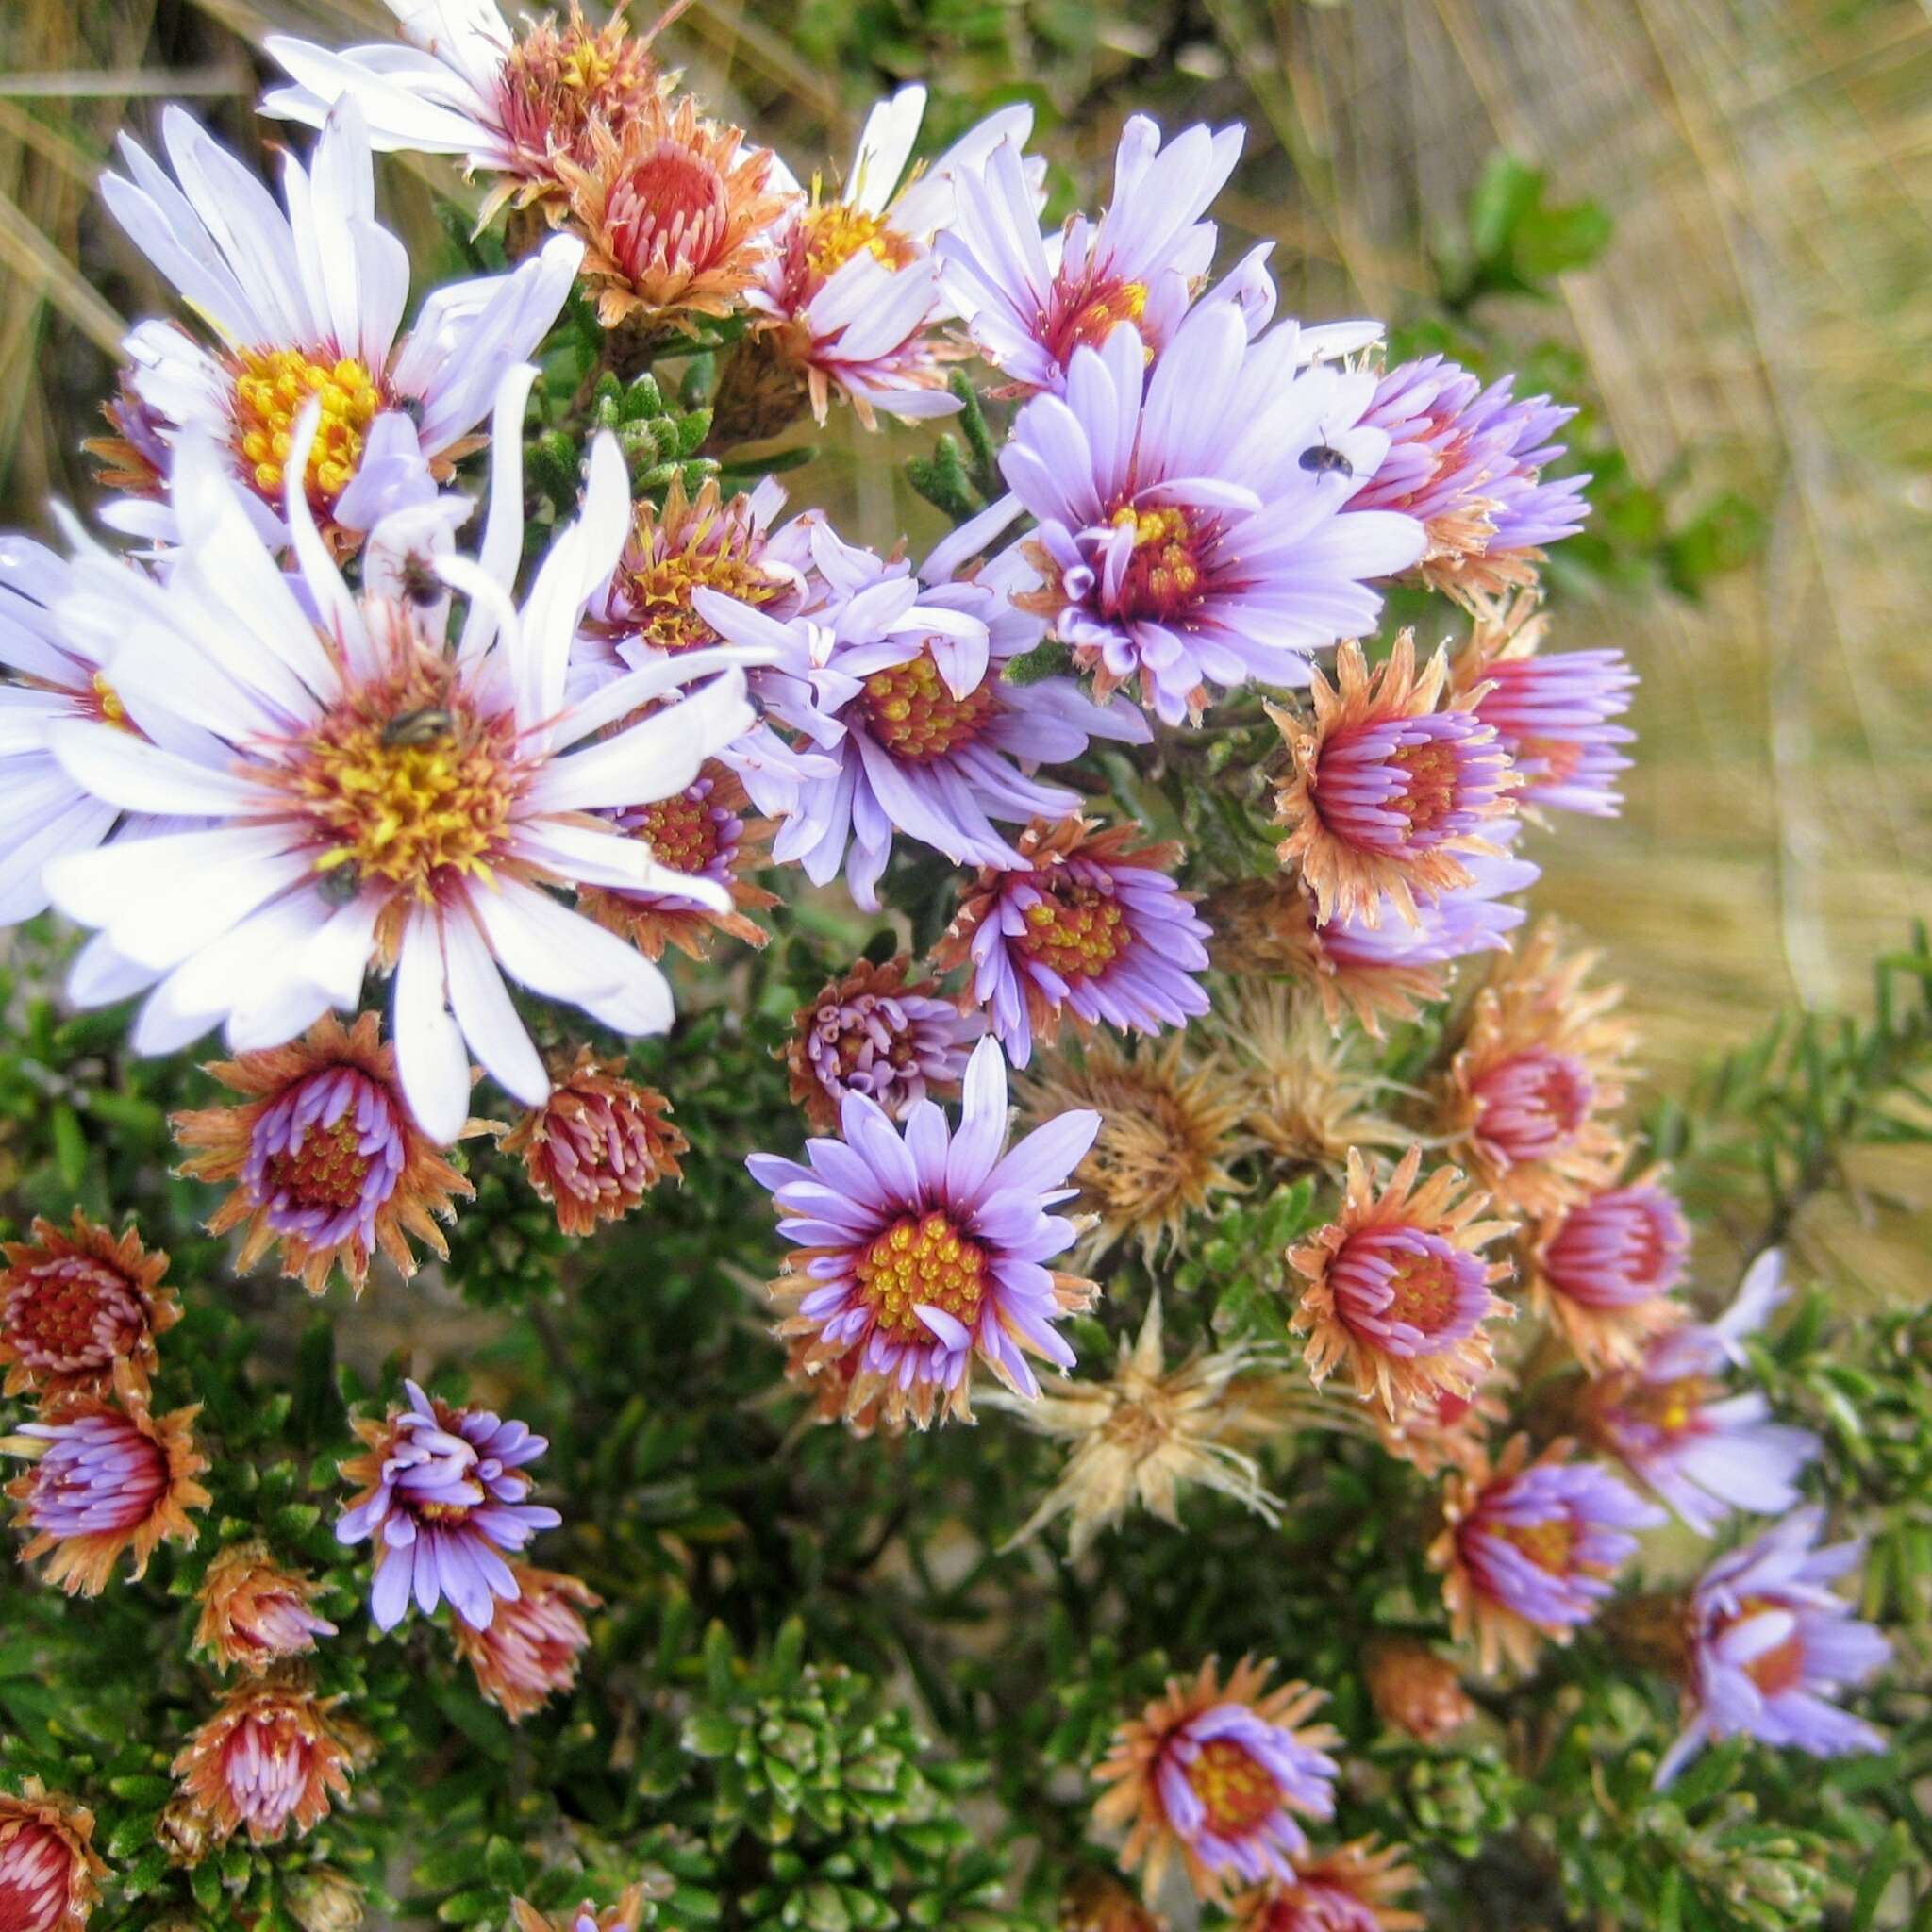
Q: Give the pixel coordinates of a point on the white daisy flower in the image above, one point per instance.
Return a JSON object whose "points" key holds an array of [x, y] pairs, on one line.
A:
{"points": [[466, 85], [305, 302], [373, 795], [44, 811], [852, 287]]}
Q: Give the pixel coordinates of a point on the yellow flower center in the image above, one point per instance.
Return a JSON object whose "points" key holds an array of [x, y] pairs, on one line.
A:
{"points": [[921, 1260], [834, 233], [1672, 1407], [1433, 785], [1546, 1545], [271, 388], [1424, 1291], [1091, 320], [916, 718], [402, 782], [657, 583], [1075, 930], [106, 704], [680, 832], [1164, 574], [1235, 1791]]}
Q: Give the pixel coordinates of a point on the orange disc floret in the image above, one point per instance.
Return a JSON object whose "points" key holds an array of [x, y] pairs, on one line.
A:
{"points": [[76, 1301]]}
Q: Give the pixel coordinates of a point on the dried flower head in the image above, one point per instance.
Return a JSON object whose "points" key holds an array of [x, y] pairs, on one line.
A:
{"points": [[1141, 1436], [1606, 1266], [1398, 1289], [1388, 793], [673, 211], [1540, 1067], [1168, 1131], [528, 1652], [324, 1899], [108, 1476], [1218, 1776], [1307, 1101], [701, 831], [1092, 924], [870, 1032], [598, 1146], [76, 1302], [254, 1613], [327, 1162], [1552, 714], [1529, 1549], [1414, 1690], [1093, 1902], [1348, 1888], [268, 1758], [50, 1873]]}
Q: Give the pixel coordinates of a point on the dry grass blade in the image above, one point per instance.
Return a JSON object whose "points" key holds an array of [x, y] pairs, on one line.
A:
{"points": [[42, 270]]}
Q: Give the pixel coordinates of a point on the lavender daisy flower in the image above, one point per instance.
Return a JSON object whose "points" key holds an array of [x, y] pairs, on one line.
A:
{"points": [[1531, 1548], [922, 1249], [1467, 462], [907, 680], [1770, 1642], [1027, 310], [1671, 1424], [1203, 533], [1552, 714], [443, 1496], [1475, 918], [1086, 923]]}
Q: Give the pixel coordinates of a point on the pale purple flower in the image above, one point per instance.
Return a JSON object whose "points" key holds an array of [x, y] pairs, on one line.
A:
{"points": [[52, 676], [1619, 1247], [443, 1500], [101, 1475], [1368, 783], [1087, 923], [360, 1115], [1668, 1422], [1030, 300], [1544, 1543], [1474, 918], [1304, 1776], [926, 1248], [1770, 1645], [1466, 461], [1553, 715], [899, 680], [1202, 534]]}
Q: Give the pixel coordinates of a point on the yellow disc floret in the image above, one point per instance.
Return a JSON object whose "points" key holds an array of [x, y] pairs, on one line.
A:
{"points": [[835, 232], [402, 782], [1077, 930], [916, 718], [271, 388], [921, 1260]]}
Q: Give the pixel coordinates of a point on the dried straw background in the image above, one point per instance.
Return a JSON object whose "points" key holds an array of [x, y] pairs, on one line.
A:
{"points": [[1761, 322]]}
